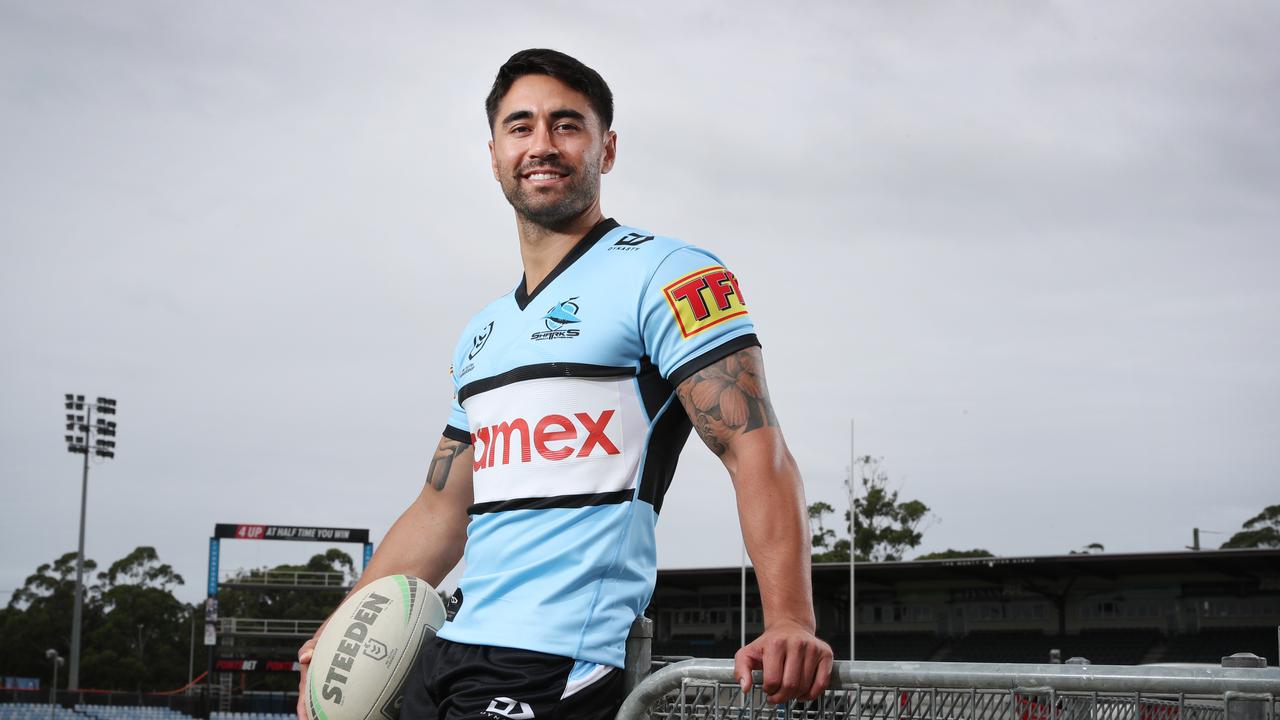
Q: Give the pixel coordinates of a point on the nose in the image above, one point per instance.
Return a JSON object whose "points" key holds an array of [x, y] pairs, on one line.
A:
{"points": [[542, 143]]}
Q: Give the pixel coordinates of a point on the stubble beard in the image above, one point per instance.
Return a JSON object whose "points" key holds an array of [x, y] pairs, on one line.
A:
{"points": [[582, 189]]}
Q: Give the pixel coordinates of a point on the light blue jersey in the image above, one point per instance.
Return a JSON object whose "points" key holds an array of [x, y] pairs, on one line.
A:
{"points": [[568, 396]]}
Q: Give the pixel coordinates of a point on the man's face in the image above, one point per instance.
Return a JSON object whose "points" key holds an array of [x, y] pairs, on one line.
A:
{"points": [[549, 150]]}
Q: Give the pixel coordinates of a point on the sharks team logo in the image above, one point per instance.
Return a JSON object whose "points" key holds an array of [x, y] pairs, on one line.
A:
{"points": [[558, 319], [562, 314]]}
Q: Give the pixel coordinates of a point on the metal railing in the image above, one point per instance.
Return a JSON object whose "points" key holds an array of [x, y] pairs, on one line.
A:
{"points": [[705, 690], [288, 579], [268, 627]]}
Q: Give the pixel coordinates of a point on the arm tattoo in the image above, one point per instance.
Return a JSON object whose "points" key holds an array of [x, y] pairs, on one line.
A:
{"points": [[728, 398], [438, 470]]}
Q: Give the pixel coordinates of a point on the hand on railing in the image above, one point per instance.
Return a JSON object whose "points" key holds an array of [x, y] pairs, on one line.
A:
{"points": [[795, 663]]}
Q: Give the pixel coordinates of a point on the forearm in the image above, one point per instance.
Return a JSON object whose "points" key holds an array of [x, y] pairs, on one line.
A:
{"points": [[771, 508]]}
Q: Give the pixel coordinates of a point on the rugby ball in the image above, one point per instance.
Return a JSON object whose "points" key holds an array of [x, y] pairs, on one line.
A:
{"points": [[362, 658]]}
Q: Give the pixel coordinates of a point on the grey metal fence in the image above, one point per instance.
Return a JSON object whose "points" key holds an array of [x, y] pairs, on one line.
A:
{"points": [[705, 690]]}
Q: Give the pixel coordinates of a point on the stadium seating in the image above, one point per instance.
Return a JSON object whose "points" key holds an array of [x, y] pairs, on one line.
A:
{"points": [[1019, 646], [128, 712], [1101, 647], [1212, 644], [250, 716], [35, 711], [915, 646], [1113, 647]]}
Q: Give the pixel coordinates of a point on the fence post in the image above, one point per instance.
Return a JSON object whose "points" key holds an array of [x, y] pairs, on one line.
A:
{"points": [[639, 653], [1244, 706]]}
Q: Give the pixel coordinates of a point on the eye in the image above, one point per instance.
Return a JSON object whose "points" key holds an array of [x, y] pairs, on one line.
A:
{"points": [[566, 127], [518, 129]]}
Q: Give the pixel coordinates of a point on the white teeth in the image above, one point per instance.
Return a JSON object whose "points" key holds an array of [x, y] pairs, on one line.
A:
{"points": [[543, 176]]}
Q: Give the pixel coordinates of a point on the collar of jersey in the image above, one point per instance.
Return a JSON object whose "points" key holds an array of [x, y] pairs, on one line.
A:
{"points": [[592, 237]]}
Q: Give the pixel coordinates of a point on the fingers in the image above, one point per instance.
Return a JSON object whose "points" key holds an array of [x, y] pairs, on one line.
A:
{"points": [[305, 654], [306, 651], [823, 676], [301, 710], [744, 661], [796, 668], [807, 661], [775, 662]]}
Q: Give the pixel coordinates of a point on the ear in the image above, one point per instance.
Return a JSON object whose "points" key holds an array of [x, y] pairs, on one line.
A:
{"points": [[493, 161], [610, 151]]}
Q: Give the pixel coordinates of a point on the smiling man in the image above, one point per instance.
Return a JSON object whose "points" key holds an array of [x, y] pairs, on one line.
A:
{"points": [[574, 394]]}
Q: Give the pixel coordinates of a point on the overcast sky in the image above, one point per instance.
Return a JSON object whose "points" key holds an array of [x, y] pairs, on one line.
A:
{"points": [[1031, 247]]}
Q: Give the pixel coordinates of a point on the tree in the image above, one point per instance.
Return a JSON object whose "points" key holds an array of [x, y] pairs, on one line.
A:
{"points": [[822, 535], [884, 527], [135, 632], [950, 554], [38, 616], [141, 642], [1260, 531]]}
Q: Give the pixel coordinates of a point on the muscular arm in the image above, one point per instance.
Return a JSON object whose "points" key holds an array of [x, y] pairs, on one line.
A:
{"points": [[427, 539], [729, 406]]}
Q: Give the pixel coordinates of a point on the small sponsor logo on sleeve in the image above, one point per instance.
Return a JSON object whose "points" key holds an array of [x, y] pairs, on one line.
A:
{"points": [[703, 299]]}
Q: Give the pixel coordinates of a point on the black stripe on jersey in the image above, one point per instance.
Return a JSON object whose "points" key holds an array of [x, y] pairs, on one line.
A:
{"points": [[666, 440], [541, 370], [654, 389], [592, 237], [718, 352], [557, 501], [455, 433]]}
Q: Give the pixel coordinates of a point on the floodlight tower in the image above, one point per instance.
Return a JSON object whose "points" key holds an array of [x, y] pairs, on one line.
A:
{"points": [[81, 441]]}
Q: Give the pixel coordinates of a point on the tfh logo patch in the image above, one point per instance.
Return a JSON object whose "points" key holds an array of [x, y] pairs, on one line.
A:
{"points": [[704, 298]]}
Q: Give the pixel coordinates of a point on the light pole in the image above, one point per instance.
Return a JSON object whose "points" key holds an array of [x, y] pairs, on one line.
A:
{"points": [[57, 661], [81, 440], [853, 596]]}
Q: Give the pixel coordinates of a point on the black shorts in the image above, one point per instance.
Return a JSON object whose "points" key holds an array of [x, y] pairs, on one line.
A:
{"points": [[452, 681]]}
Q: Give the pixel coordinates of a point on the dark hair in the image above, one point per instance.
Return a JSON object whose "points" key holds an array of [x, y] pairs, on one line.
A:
{"points": [[564, 68]]}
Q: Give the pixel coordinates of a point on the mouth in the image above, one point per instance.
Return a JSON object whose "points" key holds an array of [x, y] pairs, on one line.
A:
{"points": [[544, 176]]}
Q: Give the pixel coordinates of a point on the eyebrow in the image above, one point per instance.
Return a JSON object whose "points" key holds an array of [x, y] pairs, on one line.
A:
{"points": [[555, 115]]}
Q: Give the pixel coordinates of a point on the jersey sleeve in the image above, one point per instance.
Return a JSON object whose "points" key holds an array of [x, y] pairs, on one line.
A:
{"points": [[692, 314], [457, 427]]}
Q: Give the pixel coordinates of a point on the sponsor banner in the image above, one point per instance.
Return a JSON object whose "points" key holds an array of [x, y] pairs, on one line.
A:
{"points": [[290, 532], [550, 437], [703, 299], [256, 665]]}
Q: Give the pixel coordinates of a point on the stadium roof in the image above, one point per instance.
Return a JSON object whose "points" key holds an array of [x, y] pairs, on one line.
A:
{"points": [[1203, 565]]}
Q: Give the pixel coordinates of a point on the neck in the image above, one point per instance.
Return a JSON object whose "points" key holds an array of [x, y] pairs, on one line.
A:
{"points": [[542, 248]]}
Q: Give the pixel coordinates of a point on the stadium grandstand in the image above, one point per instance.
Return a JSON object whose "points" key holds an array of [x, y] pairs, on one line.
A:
{"points": [[1127, 609], [1112, 608]]}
